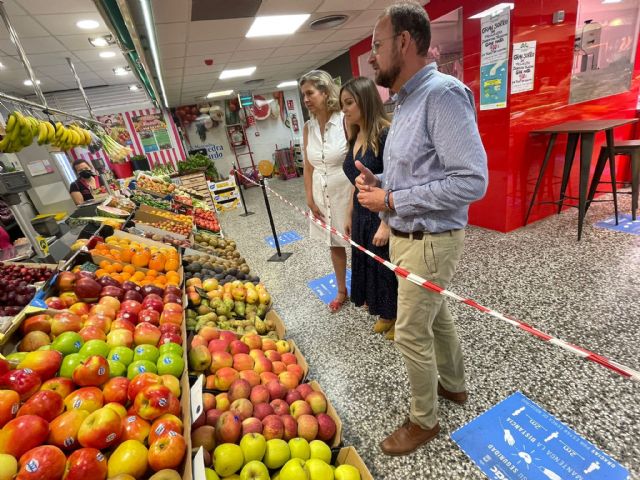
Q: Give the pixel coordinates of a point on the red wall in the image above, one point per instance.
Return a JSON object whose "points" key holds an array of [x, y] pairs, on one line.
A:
{"points": [[514, 156]]}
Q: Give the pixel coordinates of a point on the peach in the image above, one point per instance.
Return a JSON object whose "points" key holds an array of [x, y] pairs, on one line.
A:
{"points": [[278, 367], [239, 389], [272, 355], [266, 377], [225, 377], [253, 341], [263, 364], [242, 361], [288, 359], [220, 360], [250, 376]]}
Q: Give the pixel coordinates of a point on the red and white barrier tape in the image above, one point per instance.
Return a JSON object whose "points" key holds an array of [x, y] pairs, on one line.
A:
{"points": [[612, 365]]}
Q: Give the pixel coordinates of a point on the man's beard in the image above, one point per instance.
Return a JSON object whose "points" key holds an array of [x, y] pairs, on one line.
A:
{"points": [[388, 78]]}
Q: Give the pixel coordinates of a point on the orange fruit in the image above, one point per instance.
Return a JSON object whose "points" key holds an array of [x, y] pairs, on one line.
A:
{"points": [[117, 267], [152, 273], [104, 264], [130, 269], [138, 276], [101, 272], [125, 276]]}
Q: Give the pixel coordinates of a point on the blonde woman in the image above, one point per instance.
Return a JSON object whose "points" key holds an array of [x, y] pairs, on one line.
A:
{"points": [[372, 284], [326, 185]]}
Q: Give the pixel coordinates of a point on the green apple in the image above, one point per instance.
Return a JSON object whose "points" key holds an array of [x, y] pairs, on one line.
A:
{"points": [[170, 364], [294, 470], [16, 357], [69, 364], [141, 366], [227, 459], [253, 446], [210, 474], [9, 466], [318, 470], [276, 454], [95, 347], [67, 343], [254, 470], [171, 347], [45, 347], [116, 369], [146, 352], [299, 448], [320, 450], [346, 472], [121, 354]]}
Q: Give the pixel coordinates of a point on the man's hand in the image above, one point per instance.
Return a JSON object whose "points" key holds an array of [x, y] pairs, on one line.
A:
{"points": [[366, 177], [381, 238], [372, 198]]}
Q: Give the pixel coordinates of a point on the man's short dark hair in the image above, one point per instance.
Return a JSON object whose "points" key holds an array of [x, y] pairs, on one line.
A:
{"points": [[412, 17]]}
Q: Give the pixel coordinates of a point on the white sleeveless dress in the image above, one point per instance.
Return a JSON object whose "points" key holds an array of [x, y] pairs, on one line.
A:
{"points": [[331, 187]]}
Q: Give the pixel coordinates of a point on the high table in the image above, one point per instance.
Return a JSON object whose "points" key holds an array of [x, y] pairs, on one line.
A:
{"points": [[585, 131]]}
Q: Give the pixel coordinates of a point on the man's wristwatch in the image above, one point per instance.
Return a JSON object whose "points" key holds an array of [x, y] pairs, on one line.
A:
{"points": [[387, 201]]}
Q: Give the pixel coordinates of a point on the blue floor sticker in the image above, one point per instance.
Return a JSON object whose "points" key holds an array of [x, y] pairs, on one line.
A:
{"points": [[625, 224], [325, 287], [285, 238], [517, 439]]}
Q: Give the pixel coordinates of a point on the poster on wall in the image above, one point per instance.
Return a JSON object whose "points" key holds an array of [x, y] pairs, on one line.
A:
{"points": [[523, 63], [494, 59], [153, 132], [115, 128]]}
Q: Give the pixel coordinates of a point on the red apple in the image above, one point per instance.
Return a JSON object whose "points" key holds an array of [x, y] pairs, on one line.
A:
{"points": [[42, 463], [45, 403], [79, 308], [208, 401], [122, 324], [273, 356], [209, 333], [228, 428], [276, 390], [218, 345], [87, 289], [212, 416], [259, 394], [167, 452], [205, 437], [65, 281], [55, 303], [280, 407], [104, 309], [251, 425], [86, 464], [61, 385], [63, 430], [279, 367], [304, 389], [41, 323], [112, 291], [120, 337], [149, 315], [170, 328], [307, 427], [22, 434], [68, 298], [131, 306], [135, 428], [101, 429], [45, 363], [33, 341], [140, 382], [164, 424], [129, 316], [253, 341], [288, 358], [146, 333], [171, 316], [326, 427], [292, 396], [299, 408], [262, 410], [99, 320], [239, 389], [272, 427], [9, 405], [296, 370], [250, 376], [24, 381], [228, 336], [290, 427], [242, 407], [65, 322], [115, 390], [237, 346], [266, 377], [92, 333], [153, 401], [243, 361], [94, 371], [87, 398], [133, 295], [113, 302], [153, 301]]}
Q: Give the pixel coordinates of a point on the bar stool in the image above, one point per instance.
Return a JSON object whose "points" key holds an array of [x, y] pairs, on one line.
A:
{"points": [[630, 148]]}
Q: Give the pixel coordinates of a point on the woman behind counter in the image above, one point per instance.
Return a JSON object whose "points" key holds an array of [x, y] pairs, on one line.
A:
{"points": [[87, 184]]}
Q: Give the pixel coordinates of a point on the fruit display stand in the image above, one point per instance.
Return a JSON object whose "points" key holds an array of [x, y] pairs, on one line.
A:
{"points": [[225, 194], [350, 456], [198, 182]]}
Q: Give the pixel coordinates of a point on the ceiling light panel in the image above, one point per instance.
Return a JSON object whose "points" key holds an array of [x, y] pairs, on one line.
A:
{"points": [[239, 72], [87, 24], [276, 25]]}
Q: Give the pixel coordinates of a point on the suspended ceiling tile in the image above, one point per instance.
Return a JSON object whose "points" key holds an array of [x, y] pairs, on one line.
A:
{"points": [[198, 60], [296, 50], [219, 29], [65, 24], [171, 32], [283, 7], [55, 70], [366, 19], [170, 11], [331, 46], [93, 55], [12, 8], [212, 47], [25, 26], [45, 7], [353, 35], [172, 73], [56, 58], [81, 41], [250, 55], [278, 60], [223, 9], [172, 50], [33, 45], [331, 5], [170, 63], [262, 42], [306, 38], [213, 69]]}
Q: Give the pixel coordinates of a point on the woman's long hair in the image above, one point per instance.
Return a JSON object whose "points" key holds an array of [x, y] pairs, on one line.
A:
{"points": [[322, 81], [374, 118]]}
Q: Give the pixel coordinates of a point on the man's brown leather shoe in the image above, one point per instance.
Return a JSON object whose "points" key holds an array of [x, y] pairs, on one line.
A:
{"points": [[408, 438], [457, 397]]}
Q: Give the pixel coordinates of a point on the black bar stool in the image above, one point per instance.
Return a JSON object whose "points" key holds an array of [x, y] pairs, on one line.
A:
{"points": [[630, 148]]}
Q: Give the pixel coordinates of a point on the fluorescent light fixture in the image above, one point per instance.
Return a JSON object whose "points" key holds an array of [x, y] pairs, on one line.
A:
{"points": [[493, 10], [107, 54], [29, 83], [238, 72], [221, 93], [87, 24], [153, 43], [1, 65], [276, 25], [120, 71], [101, 41], [134, 88], [288, 83], [611, 1]]}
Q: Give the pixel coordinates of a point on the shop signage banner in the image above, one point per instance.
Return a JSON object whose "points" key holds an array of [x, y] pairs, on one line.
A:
{"points": [[518, 440], [523, 62], [116, 129], [152, 131], [494, 59]]}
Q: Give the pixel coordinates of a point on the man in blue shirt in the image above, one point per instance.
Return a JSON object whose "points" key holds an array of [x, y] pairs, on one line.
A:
{"points": [[434, 166]]}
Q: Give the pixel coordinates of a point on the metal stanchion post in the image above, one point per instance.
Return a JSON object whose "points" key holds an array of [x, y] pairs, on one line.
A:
{"points": [[244, 204], [279, 256]]}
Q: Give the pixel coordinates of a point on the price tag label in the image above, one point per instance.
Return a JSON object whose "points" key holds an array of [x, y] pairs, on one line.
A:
{"points": [[44, 246], [198, 465], [196, 399]]}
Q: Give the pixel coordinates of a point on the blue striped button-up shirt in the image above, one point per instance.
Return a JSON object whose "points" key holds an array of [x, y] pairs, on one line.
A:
{"points": [[434, 160]]}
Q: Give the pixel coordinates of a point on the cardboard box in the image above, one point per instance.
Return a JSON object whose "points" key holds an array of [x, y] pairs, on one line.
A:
{"points": [[337, 439], [349, 456]]}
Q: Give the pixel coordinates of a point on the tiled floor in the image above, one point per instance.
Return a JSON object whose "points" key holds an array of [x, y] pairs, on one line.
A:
{"points": [[584, 292]]}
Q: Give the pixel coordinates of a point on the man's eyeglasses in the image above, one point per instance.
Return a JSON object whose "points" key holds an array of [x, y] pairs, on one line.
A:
{"points": [[376, 45]]}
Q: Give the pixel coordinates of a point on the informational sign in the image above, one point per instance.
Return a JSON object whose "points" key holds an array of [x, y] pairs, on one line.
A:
{"points": [[625, 224], [152, 131], [115, 128], [494, 58], [39, 167], [518, 440], [285, 238], [523, 62], [326, 289]]}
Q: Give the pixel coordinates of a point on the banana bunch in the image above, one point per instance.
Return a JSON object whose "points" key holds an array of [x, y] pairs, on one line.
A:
{"points": [[21, 130]]}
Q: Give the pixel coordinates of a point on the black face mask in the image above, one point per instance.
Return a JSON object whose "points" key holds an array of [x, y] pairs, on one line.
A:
{"points": [[86, 174]]}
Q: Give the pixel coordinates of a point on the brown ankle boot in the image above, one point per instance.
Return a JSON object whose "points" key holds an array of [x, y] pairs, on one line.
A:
{"points": [[408, 438], [391, 334], [382, 325]]}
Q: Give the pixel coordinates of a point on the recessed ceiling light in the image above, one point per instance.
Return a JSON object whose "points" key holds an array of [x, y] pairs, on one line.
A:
{"points": [[1, 65], [120, 71], [221, 93], [107, 54], [87, 24], [103, 41], [493, 10], [276, 25], [238, 72], [133, 88], [288, 83], [29, 83]]}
